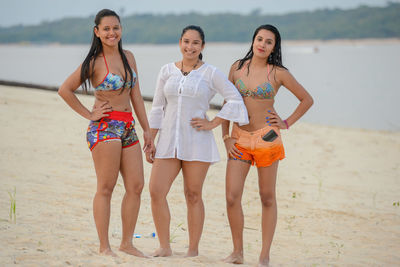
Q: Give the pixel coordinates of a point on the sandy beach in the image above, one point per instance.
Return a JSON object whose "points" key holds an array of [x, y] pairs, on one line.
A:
{"points": [[337, 192]]}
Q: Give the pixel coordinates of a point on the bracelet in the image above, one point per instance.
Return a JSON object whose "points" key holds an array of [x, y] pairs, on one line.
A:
{"points": [[287, 125], [225, 137]]}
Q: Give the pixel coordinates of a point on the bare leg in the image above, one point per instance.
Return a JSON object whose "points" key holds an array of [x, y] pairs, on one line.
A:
{"points": [[236, 172], [267, 184], [106, 157], [194, 173], [163, 173], [132, 173]]}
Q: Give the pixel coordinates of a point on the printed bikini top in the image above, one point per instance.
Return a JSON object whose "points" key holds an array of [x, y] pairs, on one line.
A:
{"points": [[113, 82], [263, 91]]}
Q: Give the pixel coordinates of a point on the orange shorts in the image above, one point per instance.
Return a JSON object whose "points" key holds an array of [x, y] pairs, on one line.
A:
{"points": [[255, 149]]}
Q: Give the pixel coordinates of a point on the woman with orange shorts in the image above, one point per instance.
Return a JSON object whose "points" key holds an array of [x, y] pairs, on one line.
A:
{"points": [[258, 77]]}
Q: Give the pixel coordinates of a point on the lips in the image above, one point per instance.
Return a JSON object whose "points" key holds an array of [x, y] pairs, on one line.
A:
{"points": [[261, 50]]}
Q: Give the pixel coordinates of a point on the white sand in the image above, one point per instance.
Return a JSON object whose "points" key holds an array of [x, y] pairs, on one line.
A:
{"points": [[335, 191]]}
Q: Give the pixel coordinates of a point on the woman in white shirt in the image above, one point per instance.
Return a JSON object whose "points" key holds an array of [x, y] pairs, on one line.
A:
{"points": [[183, 93]]}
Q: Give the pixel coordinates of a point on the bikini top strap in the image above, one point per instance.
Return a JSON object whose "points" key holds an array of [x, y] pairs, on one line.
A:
{"points": [[105, 61]]}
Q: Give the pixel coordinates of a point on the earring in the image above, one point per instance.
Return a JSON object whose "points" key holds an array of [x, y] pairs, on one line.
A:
{"points": [[270, 57]]}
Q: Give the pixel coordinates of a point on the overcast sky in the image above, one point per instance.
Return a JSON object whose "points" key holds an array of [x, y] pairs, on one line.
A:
{"points": [[28, 12]]}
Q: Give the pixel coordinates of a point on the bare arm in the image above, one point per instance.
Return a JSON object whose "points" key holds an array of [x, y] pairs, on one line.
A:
{"points": [[306, 101], [225, 124], [138, 106], [228, 140], [66, 91]]}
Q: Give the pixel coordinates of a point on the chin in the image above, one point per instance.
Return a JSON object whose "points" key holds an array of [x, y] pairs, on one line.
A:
{"points": [[261, 55]]}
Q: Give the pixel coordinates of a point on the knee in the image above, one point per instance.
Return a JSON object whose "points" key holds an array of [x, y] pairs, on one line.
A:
{"points": [[232, 199], [156, 193], [268, 199], [192, 197], [105, 190], [136, 189]]}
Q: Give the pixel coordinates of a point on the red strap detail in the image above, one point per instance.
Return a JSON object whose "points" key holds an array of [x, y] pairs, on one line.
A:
{"points": [[105, 61], [99, 128]]}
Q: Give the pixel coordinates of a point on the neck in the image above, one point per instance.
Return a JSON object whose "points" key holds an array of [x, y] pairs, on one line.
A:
{"points": [[107, 50], [190, 62], [259, 62]]}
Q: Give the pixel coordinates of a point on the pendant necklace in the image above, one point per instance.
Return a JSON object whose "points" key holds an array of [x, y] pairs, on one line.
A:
{"points": [[185, 73]]}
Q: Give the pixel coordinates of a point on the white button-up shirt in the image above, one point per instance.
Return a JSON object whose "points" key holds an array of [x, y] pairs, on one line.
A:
{"points": [[180, 98]]}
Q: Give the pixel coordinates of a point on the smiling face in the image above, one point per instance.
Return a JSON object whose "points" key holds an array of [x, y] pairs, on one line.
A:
{"points": [[109, 31], [263, 43], [191, 44]]}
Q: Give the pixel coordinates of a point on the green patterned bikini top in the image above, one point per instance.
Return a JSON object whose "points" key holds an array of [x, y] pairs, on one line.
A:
{"points": [[263, 91]]}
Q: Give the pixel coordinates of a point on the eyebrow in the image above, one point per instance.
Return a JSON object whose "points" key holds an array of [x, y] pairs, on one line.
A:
{"points": [[187, 39], [268, 39]]}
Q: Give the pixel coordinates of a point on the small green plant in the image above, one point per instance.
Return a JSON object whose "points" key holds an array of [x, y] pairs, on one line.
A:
{"points": [[294, 195], [173, 235], [13, 204], [396, 203]]}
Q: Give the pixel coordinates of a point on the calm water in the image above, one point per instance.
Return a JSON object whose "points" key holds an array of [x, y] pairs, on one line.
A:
{"points": [[353, 85]]}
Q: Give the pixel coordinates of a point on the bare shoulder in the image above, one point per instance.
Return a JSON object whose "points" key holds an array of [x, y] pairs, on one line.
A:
{"points": [[234, 69], [282, 74], [235, 65], [131, 58]]}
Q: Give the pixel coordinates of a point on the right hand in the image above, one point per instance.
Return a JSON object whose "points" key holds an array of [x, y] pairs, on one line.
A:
{"points": [[150, 155], [99, 111], [149, 147], [231, 149]]}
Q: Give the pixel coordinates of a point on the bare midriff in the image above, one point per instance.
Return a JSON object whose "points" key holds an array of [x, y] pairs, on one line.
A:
{"points": [[257, 110], [117, 100]]}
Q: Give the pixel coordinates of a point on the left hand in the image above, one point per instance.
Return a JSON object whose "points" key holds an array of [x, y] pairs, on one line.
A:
{"points": [[202, 124], [275, 120], [148, 147]]}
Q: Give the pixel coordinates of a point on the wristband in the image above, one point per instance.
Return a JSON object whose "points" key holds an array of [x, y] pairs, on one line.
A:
{"points": [[225, 137], [287, 125]]}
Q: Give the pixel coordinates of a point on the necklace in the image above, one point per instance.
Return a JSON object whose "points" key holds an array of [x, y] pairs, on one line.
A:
{"points": [[185, 73]]}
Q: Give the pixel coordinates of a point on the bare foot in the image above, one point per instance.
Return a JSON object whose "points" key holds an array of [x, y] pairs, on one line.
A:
{"points": [[108, 252], [235, 258], [130, 249], [263, 263], [192, 253], [162, 252]]}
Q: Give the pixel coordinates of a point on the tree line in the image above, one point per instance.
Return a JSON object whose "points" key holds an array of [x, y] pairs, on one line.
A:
{"points": [[323, 24]]}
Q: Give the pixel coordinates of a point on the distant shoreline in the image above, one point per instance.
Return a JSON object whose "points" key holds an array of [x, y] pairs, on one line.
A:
{"points": [[55, 89], [284, 42]]}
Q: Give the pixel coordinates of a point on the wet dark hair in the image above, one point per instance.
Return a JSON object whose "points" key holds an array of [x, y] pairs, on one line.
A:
{"points": [[97, 48], [275, 58], [199, 30]]}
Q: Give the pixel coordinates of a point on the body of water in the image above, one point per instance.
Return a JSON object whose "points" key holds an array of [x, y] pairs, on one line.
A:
{"points": [[354, 84]]}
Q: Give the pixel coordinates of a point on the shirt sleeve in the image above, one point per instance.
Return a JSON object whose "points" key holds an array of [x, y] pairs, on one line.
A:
{"points": [[234, 108], [157, 109]]}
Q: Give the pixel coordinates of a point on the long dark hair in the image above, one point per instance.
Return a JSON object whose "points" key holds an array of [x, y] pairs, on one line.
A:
{"points": [[275, 58], [97, 48], [199, 30]]}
